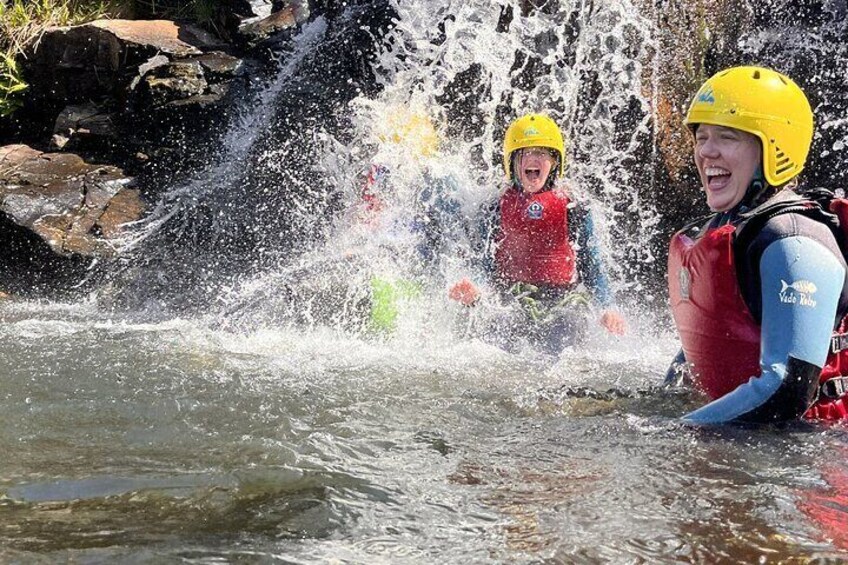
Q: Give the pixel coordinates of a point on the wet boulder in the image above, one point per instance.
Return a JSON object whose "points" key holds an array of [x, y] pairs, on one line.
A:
{"points": [[74, 207], [82, 126], [99, 87], [178, 80], [200, 80], [271, 19]]}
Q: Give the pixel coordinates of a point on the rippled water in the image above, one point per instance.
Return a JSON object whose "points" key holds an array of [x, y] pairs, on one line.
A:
{"points": [[172, 442]]}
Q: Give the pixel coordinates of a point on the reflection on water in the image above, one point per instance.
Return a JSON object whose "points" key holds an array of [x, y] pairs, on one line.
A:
{"points": [[172, 442], [827, 506]]}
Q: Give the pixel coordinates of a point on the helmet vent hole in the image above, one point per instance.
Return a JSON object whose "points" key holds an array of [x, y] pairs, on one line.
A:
{"points": [[757, 75], [782, 162], [783, 80], [785, 168]]}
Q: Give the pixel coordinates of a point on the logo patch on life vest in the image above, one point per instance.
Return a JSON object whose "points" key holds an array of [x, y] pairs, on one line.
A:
{"points": [[685, 281], [799, 292], [534, 211]]}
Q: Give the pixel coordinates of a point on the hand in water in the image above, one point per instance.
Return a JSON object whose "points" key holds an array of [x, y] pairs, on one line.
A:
{"points": [[614, 322], [464, 292]]}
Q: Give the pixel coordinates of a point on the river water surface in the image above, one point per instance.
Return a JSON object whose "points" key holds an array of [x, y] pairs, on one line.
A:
{"points": [[173, 442]]}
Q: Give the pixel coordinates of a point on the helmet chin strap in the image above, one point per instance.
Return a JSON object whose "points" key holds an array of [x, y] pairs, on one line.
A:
{"points": [[758, 191]]}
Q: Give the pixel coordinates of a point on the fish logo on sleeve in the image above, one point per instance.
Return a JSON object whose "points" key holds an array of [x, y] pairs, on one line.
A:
{"points": [[798, 292]]}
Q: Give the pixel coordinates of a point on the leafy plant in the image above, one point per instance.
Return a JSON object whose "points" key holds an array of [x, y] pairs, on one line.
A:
{"points": [[11, 84]]}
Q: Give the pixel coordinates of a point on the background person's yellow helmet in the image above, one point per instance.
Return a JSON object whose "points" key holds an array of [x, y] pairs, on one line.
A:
{"points": [[764, 103], [532, 130], [411, 130]]}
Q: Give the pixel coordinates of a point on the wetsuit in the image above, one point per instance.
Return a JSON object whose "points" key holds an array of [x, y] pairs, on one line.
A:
{"points": [[777, 281]]}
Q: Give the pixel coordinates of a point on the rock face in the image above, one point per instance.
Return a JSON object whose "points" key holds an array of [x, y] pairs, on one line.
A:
{"points": [[696, 38], [111, 86], [147, 96], [76, 64], [270, 21], [74, 207]]}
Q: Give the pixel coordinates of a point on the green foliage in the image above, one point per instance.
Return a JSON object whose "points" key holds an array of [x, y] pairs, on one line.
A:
{"points": [[10, 85], [207, 13]]}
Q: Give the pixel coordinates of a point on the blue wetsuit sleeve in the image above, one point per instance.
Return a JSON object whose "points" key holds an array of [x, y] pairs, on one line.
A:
{"points": [[483, 240], [590, 262], [801, 285]]}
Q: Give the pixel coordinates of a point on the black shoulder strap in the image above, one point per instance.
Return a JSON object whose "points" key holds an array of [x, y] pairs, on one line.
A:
{"points": [[698, 227], [811, 203], [784, 202]]}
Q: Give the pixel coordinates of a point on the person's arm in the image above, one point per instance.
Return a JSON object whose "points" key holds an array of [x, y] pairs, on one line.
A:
{"points": [[675, 368], [801, 285], [438, 218], [488, 226], [482, 261], [591, 268], [590, 264]]}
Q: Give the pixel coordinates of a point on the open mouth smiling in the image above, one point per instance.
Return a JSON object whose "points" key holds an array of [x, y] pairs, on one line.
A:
{"points": [[717, 177], [532, 173]]}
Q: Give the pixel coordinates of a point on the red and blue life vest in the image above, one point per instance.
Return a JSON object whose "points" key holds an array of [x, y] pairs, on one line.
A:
{"points": [[533, 245], [719, 335]]}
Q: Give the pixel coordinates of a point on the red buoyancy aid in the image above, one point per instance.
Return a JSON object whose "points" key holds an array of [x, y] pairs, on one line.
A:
{"points": [[533, 246], [720, 337]]}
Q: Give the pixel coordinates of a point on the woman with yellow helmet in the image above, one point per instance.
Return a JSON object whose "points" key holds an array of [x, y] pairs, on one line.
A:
{"points": [[542, 242], [758, 291]]}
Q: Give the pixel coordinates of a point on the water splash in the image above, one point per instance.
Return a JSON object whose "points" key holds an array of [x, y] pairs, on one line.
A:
{"points": [[580, 63]]}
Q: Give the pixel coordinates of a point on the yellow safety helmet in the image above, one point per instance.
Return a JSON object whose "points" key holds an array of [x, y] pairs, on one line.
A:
{"points": [[532, 130], [411, 130], [764, 103]]}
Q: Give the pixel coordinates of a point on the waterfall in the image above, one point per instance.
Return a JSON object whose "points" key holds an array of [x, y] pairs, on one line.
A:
{"points": [[270, 218]]}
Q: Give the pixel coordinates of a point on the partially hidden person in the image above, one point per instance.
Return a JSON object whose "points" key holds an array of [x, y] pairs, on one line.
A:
{"points": [[758, 290], [418, 222], [539, 247]]}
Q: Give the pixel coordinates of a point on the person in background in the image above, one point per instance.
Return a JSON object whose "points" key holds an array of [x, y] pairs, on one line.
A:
{"points": [[539, 245], [758, 292], [407, 207]]}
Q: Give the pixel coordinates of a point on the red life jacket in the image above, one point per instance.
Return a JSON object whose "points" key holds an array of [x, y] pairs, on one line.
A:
{"points": [[533, 246], [375, 175], [720, 337]]}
